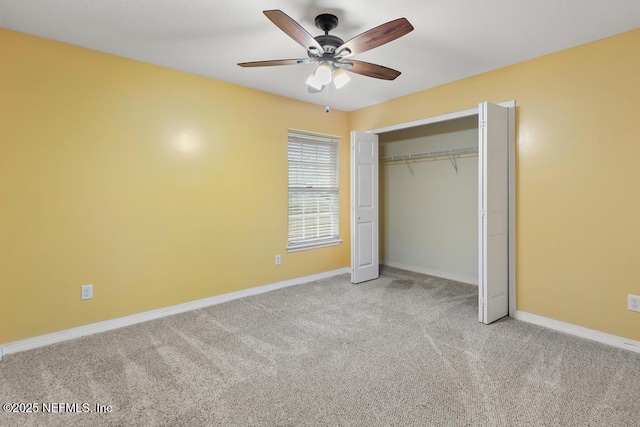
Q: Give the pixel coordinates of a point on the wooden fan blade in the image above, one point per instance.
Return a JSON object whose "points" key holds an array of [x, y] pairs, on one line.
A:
{"points": [[370, 70], [375, 37], [275, 62], [294, 30]]}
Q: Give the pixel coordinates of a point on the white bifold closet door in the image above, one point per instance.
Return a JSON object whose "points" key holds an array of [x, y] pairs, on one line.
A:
{"points": [[365, 263], [493, 200], [493, 212]]}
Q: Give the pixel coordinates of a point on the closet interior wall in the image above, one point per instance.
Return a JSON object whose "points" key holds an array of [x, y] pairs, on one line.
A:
{"points": [[428, 209]]}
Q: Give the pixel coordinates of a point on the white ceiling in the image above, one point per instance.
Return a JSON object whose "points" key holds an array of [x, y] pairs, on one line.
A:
{"points": [[452, 39]]}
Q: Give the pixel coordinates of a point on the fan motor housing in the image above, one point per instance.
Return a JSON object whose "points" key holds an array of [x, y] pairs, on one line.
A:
{"points": [[327, 22], [329, 43]]}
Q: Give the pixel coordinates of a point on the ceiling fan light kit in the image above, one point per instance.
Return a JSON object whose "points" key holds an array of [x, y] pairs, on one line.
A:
{"points": [[325, 74], [330, 51]]}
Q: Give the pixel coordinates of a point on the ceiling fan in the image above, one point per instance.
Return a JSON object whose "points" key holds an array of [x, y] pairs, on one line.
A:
{"points": [[332, 53]]}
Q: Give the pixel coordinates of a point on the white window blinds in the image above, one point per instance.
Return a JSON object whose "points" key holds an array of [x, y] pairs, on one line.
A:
{"points": [[313, 191]]}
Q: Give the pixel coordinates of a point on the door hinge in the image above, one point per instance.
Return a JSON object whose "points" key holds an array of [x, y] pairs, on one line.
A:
{"points": [[483, 213]]}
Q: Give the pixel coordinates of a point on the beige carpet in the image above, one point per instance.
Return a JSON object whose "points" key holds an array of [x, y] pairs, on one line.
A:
{"points": [[405, 349]]}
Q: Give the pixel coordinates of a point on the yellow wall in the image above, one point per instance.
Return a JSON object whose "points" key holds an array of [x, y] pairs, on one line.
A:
{"points": [[157, 186], [578, 202]]}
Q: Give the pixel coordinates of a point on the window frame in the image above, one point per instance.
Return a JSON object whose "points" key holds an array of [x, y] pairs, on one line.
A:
{"points": [[304, 137]]}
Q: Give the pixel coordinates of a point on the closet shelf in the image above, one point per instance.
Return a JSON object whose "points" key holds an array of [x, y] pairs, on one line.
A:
{"points": [[432, 154]]}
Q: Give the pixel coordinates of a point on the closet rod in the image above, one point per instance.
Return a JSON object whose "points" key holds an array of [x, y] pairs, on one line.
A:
{"points": [[446, 153]]}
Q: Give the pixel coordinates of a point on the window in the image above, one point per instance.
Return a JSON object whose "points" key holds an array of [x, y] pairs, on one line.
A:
{"points": [[313, 191]]}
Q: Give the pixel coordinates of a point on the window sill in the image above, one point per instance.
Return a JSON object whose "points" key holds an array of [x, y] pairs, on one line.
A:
{"points": [[314, 245]]}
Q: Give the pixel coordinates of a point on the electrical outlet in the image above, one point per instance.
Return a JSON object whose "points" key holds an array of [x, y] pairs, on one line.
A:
{"points": [[633, 302], [86, 292], [278, 259]]}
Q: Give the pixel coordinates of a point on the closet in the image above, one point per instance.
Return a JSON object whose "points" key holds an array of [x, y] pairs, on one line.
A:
{"points": [[429, 203], [428, 206]]}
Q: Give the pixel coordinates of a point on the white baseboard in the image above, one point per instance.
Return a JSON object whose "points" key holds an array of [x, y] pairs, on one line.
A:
{"points": [[579, 331], [436, 273], [108, 325]]}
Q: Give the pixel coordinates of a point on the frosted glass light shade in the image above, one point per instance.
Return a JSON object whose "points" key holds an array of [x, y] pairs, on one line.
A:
{"points": [[323, 73], [314, 82], [340, 78]]}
